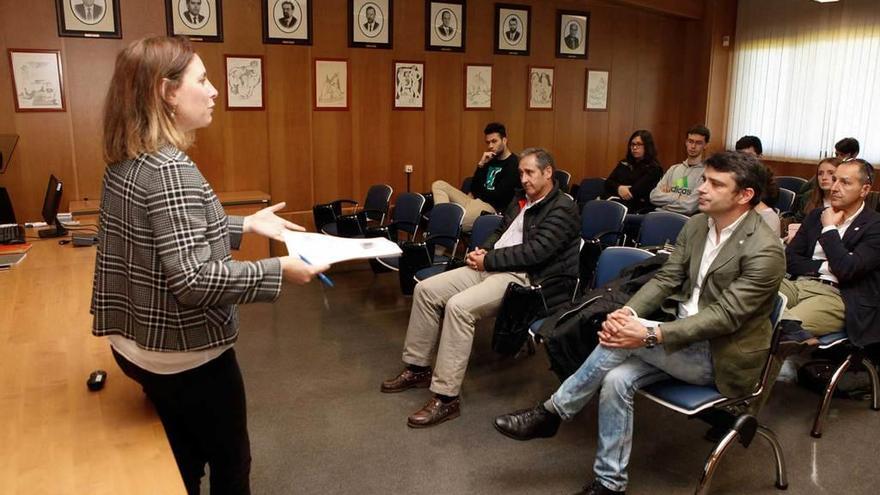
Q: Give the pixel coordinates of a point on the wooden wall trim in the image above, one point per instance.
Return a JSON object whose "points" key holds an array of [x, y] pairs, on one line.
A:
{"points": [[689, 9]]}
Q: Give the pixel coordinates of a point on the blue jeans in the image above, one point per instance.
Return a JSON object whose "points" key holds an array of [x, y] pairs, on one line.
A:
{"points": [[619, 373]]}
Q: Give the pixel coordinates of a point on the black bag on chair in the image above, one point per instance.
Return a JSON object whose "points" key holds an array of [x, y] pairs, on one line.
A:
{"points": [[415, 257], [520, 307]]}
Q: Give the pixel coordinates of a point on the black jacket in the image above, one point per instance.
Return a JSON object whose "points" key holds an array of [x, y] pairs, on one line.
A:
{"points": [[643, 177], [551, 239], [854, 260], [504, 184]]}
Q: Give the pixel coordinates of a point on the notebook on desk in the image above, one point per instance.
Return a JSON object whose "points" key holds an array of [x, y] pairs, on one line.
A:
{"points": [[9, 260]]}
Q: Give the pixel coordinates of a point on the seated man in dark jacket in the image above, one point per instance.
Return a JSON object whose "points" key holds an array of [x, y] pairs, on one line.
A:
{"points": [[539, 237]]}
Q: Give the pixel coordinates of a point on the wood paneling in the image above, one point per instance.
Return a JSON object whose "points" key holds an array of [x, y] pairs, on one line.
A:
{"points": [[659, 67]]}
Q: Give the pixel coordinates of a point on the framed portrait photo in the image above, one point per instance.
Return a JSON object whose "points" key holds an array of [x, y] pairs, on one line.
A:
{"points": [[201, 20], [244, 82], [596, 95], [331, 84], [512, 34], [409, 85], [541, 88], [88, 18], [370, 23], [478, 87], [287, 22], [37, 80], [445, 23], [572, 34]]}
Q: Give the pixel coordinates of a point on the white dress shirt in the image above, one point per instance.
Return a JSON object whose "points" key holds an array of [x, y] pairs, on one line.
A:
{"points": [[513, 236], [819, 252]]}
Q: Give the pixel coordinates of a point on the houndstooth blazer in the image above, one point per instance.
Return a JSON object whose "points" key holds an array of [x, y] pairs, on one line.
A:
{"points": [[163, 274]]}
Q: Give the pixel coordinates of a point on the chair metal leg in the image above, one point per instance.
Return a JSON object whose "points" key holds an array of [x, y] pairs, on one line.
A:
{"points": [[781, 472], [826, 399], [875, 383], [713, 460]]}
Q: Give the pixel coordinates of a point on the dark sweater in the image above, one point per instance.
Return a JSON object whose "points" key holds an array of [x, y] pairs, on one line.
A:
{"points": [[551, 239], [642, 177], [496, 181]]}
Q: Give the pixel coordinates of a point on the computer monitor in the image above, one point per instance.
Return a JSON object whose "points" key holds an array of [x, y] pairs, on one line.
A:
{"points": [[51, 203]]}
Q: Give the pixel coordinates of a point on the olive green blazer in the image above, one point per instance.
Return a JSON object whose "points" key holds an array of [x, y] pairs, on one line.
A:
{"points": [[735, 301]]}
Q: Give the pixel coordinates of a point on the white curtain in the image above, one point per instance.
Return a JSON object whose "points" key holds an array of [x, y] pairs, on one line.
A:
{"points": [[806, 75]]}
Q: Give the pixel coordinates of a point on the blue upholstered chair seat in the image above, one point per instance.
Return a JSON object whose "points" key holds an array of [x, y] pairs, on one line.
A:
{"points": [[832, 339], [683, 397]]}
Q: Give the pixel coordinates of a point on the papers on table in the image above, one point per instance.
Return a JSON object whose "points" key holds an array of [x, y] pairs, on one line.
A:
{"points": [[320, 249]]}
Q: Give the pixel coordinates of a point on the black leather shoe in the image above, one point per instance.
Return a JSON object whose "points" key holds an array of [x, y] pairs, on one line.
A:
{"points": [[596, 488], [527, 424]]}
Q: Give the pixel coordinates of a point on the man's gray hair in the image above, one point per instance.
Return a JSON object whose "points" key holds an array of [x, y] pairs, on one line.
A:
{"points": [[542, 156], [866, 170]]}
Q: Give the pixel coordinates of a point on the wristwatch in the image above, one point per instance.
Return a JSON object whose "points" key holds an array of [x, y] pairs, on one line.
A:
{"points": [[651, 338]]}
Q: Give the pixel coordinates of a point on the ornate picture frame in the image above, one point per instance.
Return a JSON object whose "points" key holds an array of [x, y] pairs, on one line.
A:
{"points": [[200, 20], [88, 18], [37, 80], [596, 90], [370, 23], [331, 86], [479, 86], [513, 33], [287, 22], [245, 82], [572, 34], [445, 25]]}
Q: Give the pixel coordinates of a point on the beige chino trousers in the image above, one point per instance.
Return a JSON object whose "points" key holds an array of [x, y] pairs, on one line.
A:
{"points": [[445, 192], [817, 306], [445, 309]]}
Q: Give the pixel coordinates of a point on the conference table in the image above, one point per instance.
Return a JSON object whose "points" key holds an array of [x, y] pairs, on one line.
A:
{"points": [[56, 436]]}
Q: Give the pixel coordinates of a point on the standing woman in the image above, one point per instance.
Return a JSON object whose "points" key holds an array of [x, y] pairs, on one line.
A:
{"points": [[166, 289], [634, 177]]}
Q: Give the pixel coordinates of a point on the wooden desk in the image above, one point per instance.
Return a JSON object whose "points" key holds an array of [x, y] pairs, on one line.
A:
{"points": [[55, 435], [241, 203]]}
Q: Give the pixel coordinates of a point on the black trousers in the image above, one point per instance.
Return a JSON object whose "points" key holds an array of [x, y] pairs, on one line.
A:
{"points": [[204, 414]]}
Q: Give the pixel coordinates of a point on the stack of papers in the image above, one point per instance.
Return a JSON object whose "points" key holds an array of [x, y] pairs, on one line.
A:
{"points": [[320, 249]]}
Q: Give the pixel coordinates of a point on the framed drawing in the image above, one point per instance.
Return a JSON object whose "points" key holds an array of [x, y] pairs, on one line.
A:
{"points": [[572, 34], [201, 20], [409, 85], [88, 18], [541, 86], [244, 82], [37, 80], [512, 35], [596, 95], [478, 87], [445, 25], [370, 23], [331, 84], [287, 22]]}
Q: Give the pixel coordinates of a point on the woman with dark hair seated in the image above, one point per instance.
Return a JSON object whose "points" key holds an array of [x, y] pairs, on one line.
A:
{"points": [[817, 196], [634, 177]]}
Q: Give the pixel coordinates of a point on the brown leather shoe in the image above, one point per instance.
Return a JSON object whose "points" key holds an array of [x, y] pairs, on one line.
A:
{"points": [[434, 412], [406, 380]]}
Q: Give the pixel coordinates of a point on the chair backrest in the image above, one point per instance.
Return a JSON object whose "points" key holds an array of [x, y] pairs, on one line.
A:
{"points": [[408, 212], [562, 178], [614, 259], [376, 203], [590, 189], [444, 227], [484, 225], [794, 184], [660, 227], [599, 218], [466, 184], [785, 200]]}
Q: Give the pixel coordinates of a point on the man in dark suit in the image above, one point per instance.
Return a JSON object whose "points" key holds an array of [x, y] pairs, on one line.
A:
{"points": [[513, 34], [834, 261], [288, 20], [717, 287], [192, 15], [573, 40], [88, 12], [445, 29], [371, 25]]}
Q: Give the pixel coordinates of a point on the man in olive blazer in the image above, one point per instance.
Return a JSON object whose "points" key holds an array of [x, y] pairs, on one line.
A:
{"points": [[717, 289]]}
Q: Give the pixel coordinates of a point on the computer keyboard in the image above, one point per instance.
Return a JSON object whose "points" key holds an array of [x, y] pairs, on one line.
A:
{"points": [[11, 234]]}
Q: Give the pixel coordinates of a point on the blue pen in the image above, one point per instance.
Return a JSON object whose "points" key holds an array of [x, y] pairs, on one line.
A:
{"points": [[321, 276]]}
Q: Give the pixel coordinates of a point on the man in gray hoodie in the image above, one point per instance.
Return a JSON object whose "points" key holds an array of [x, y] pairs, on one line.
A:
{"points": [[677, 190]]}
